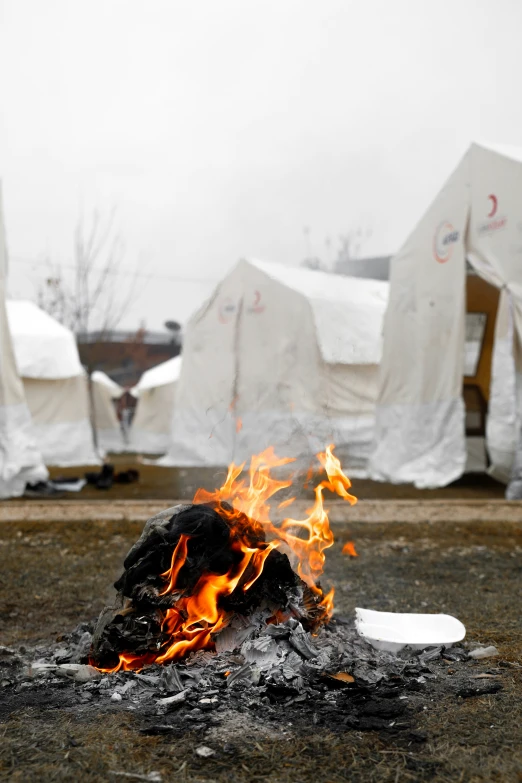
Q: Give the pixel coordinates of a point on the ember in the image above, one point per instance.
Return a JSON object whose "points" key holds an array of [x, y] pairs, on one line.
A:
{"points": [[201, 576]]}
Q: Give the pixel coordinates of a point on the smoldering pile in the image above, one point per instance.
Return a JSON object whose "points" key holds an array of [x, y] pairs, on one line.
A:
{"points": [[274, 658], [149, 622], [264, 678]]}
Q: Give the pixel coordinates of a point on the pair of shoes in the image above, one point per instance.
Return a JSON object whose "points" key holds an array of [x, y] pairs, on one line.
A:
{"points": [[102, 479], [129, 476]]}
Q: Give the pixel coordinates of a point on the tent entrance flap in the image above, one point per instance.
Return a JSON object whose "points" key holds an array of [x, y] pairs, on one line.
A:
{"points": [[482, 300]]}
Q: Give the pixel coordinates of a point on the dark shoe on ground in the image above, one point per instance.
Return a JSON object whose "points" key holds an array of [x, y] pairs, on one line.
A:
{"points": [[42, 489], [127, 476], [106, 477]]}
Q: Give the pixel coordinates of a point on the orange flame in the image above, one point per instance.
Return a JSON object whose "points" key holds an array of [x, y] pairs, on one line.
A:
{"points": [[309, 476], [349, 549], [195, 619]]}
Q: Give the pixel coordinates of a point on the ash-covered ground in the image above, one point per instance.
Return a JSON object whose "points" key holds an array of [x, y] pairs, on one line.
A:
{"points": [[332, 678], [435, 716]]}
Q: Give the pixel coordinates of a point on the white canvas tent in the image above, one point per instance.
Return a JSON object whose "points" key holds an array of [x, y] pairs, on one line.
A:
{"points": [[20, 460], [420, 432], [155, 391], [104, 392], [281, 357], [55, 385]]}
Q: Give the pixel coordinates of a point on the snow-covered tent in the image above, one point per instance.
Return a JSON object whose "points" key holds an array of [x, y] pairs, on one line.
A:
{"points": [[55, 385], [155, 392], [280, 356], [104, 392], [420, 432], [20, 461]]}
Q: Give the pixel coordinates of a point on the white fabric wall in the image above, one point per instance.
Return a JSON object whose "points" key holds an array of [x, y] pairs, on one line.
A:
{"points": [[55, 386], [150, 429], [156, 393], [288, 396], [60, 412], [254, 376], [108, 431], [203, 424], [44, 348], [420, 431], [503, 420], [420, 414], [20, 460]]}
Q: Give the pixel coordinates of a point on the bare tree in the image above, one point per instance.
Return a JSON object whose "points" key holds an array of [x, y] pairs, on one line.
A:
{"points": [[92, 292], [350, 244], [349, 249]]}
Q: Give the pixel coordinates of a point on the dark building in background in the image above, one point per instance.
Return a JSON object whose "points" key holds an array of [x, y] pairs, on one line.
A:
{"points": [[124, 356], [376, 268]]}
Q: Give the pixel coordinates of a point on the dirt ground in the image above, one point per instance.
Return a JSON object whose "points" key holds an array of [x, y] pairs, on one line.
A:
{"points": [[157, 483], [56, 574]]}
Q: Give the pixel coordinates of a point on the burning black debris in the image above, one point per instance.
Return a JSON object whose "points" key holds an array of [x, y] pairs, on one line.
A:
{"points": [[137, 629], [197, 569]]}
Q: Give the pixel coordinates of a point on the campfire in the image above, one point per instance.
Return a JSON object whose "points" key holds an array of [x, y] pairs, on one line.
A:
{"points": [[219, 574], [222, 627]]}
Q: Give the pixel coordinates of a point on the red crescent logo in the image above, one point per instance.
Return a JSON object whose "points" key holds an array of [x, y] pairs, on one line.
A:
{"points": [[443, 241], [494, 205], [257, 307], [226, 310]]}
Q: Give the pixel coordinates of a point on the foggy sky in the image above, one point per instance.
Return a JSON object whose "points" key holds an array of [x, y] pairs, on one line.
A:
{"points": [[221, 128]]}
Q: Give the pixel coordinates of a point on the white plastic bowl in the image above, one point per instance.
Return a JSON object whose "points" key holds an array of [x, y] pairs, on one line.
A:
{"points": [[391, 631]]}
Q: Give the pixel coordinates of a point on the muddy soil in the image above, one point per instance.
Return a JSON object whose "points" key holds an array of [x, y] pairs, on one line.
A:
{"points": [[55, 575]]}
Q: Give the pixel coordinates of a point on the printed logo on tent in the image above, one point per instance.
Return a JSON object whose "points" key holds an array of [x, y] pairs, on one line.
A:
{"points": [[445, 237], [494, 222], [494, 205], [226, 310], [256, 306]]}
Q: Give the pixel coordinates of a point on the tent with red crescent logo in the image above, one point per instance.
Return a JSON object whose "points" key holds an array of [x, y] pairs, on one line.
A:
{"points": [[20, 460], [475, 220], [284, 357]]}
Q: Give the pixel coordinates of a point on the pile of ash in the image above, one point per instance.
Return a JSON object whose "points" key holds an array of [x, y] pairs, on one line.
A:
{"points": [[213, 628], [275, 676]]}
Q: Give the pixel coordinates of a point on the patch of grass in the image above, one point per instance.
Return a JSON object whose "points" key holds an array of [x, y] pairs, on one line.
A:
{"points": [[55, 575], [57, 746]]}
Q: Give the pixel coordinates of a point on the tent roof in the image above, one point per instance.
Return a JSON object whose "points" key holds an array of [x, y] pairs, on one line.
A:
{"points": [[103, 379], [160, 375], [348, 311], [43, 347], [324, 285], [507, 150]]}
